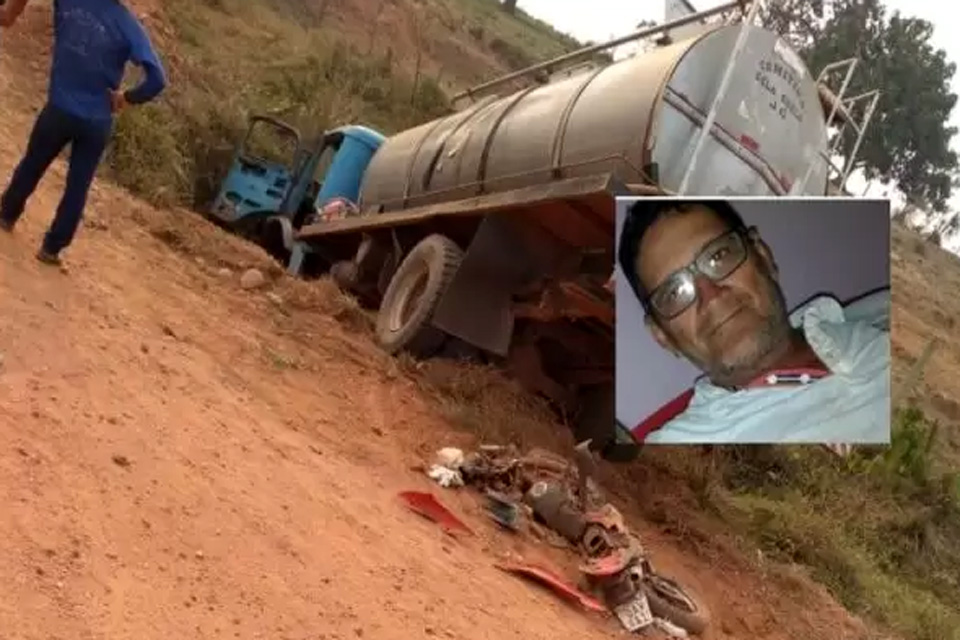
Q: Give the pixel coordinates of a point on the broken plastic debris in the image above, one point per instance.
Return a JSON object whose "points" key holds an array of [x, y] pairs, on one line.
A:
{"points": [[609, 565], [550, 579], [503, 510], [445, 476], [429, 507], [450, 457]]}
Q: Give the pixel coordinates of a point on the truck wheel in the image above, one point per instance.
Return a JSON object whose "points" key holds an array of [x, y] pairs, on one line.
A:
{"points": [[403, 322]]}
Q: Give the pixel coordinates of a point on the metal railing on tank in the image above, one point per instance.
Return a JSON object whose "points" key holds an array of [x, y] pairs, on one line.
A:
{"points": [[843, 113], [578, 57]]}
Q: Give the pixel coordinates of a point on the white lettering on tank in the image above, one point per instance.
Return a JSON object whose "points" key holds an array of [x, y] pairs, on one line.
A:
{"points": [[783, 84]]}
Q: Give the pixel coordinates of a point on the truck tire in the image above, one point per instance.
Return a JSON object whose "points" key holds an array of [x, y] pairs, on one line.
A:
{"points": [[403, 321]]}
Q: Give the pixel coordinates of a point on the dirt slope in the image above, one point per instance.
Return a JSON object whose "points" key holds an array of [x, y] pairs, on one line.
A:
{"points": [[181, 458], [926, 306]]}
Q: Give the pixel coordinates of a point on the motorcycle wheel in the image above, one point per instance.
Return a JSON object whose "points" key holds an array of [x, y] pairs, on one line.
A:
{"points": [[672, 602]]}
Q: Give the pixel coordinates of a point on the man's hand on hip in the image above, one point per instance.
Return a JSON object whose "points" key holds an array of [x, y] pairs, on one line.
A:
{"points": [[118, 101]]}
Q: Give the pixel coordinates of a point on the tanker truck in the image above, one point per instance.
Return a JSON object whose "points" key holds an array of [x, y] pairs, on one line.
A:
{"points": [[494, 226]]}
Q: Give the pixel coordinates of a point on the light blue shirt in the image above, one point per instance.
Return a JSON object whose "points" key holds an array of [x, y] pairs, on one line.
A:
{"points": [[852, 405]]}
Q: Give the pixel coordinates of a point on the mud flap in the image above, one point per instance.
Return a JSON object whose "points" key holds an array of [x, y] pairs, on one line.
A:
{"points": [[281, 228], [298, 253], [285, 228], [477, 307]]}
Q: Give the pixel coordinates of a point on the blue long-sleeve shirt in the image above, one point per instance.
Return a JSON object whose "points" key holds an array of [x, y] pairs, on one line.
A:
{"points": [[93, 42]]}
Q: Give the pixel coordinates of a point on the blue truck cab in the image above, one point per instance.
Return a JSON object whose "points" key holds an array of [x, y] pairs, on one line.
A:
{"points": [[295, 183]]}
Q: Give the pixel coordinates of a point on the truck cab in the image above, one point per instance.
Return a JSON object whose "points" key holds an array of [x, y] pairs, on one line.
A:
{"points": [[275, 177], [261, 173]]}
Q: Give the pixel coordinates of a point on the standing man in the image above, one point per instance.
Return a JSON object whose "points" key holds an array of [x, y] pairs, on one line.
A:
{"points": [[93, 41]]}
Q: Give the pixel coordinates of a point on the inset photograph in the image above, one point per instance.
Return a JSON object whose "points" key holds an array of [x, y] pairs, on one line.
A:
{"points": [[753, 321]]}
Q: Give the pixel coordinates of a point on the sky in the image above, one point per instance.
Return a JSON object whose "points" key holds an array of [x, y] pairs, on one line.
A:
{"points": [[600, 20]]}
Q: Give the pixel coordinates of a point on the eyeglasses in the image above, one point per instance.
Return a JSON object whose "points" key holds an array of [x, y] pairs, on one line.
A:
{"points": [[721, 257]]}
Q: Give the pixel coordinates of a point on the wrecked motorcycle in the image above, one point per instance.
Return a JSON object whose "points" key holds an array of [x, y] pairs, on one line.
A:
{"points": [[565, 499], [616, 565]]}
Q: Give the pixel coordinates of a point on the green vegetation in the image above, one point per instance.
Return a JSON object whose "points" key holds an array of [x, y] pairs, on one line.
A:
{"points": [[908, 141], [878, 528], [232, 58], [175, 151]]}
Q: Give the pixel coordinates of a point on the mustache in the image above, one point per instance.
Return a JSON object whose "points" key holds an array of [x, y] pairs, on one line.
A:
{"points": [[720, 317], [721, 309], [726, 306]]}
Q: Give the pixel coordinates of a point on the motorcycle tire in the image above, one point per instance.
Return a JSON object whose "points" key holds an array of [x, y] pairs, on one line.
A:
{"points": [[670, 601]]}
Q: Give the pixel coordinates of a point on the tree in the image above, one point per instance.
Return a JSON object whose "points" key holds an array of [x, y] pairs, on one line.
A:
{"points": [[908, 140], [510, 6]]}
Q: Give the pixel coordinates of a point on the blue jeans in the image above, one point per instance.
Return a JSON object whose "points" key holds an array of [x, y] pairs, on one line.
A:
{"points": [[54, 130]]}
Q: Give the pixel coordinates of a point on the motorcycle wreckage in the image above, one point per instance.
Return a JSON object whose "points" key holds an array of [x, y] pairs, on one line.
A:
{"points": [[565, 499]]}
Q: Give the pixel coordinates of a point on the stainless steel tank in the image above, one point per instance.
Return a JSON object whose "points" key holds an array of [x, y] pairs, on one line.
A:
{"points": [[637, 118]]}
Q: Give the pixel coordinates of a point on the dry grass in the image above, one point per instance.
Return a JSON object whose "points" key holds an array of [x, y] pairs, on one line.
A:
{"points": [[314, 67], [324, 297], [481, 401], [177, 150]]}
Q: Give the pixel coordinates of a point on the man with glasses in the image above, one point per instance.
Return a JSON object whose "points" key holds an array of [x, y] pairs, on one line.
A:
{"points": [[709, 287]]}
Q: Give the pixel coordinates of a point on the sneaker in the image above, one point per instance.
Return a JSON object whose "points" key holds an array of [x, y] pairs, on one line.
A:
{"points": [[49, 258]]}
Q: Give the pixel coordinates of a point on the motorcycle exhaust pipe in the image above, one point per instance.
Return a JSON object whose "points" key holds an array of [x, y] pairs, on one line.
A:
{"points": [[551, 504]]}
